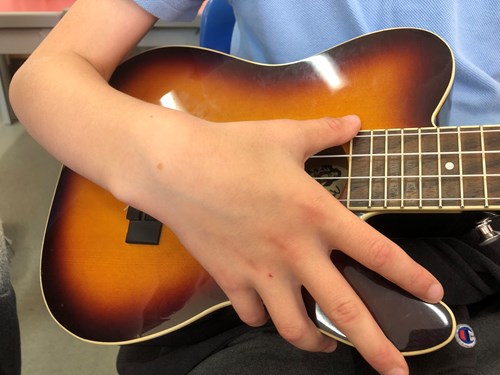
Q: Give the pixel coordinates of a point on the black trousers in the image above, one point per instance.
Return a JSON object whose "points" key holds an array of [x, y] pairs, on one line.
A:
{"points": [[242, 350], [10, 348], [470, 275]]}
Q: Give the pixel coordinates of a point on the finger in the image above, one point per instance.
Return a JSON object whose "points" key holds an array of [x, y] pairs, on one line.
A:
{"points": [[362, 242], [345, 309], [286, 307], [248, 306], [320, 134]]}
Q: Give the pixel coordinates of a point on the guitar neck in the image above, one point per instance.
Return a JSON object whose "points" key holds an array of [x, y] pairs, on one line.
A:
{"points": [[454, 168]]}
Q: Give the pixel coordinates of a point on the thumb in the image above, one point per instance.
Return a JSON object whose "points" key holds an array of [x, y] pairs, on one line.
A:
{"points": [[328, 132]]}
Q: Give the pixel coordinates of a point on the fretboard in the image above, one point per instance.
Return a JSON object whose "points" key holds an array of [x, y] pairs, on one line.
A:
{"points": [[447, 167]]}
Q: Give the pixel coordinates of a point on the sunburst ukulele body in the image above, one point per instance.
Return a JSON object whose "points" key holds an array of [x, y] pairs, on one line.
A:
{"points": [[103, 289]]}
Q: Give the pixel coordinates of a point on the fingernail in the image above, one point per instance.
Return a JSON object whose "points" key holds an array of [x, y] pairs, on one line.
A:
{"points": [[351, 118], [435, 292], [331, 347], [397, 371]]}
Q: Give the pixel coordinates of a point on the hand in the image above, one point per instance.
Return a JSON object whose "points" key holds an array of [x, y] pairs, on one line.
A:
{"points": [[239, 199]]}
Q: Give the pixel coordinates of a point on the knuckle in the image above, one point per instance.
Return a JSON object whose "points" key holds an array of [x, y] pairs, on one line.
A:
{"points": [[313, 210], [292, 333], [345, 312], [382, 358], [333, 123], [381, 253], [288, 247], [329, 127], [419, 277], [253, 320], [231, 287]]}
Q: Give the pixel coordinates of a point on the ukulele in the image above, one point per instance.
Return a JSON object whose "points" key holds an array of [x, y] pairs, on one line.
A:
{"points": [[111, 274]]}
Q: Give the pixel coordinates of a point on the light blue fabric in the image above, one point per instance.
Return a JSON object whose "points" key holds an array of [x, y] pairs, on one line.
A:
{"points": [[278, 31], [283, 31], [172, 10]]}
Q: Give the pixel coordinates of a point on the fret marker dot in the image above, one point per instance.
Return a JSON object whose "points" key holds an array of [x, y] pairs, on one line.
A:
{"points": [[449, 166]]}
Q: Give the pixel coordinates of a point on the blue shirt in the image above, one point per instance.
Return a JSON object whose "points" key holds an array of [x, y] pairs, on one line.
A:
{"points": [[279, 31]]}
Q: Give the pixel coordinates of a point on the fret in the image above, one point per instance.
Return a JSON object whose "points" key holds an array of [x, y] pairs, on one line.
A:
{"points": [[350, 172], [419, 168], [449, 164], [360, 170], [440, 179], [410, 168], [386, 166], [460, 167], [472, 166], [402, 163], [420, 187], [483, 158], [379, 166], [370, 180], [492, 158], [395, 174]]}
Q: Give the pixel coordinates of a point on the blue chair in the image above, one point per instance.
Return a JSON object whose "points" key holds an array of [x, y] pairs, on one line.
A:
{"points": [[216, 25]]}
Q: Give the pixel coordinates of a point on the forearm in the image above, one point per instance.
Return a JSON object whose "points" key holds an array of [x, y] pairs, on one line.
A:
{"points": [[62, 97], [72, 111]]}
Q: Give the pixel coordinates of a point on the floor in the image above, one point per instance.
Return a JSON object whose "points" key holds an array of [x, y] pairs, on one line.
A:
{"points": [[28, 176]]}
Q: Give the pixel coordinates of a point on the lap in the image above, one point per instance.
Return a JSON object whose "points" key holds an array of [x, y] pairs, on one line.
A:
{"points": [[242, 350]]}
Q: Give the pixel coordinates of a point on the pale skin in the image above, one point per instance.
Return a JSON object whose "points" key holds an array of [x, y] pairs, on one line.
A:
{"points": [[262, 240]]}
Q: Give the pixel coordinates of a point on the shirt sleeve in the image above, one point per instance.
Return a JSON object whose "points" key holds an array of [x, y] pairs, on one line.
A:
{"points": [[171, 10]]}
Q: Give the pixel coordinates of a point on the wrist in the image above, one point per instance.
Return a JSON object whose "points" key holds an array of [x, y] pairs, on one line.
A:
{"points": [[159, 146]]}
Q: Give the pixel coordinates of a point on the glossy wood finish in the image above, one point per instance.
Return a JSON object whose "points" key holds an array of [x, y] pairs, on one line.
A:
{"points": [[103, 290], [392, 79], [414, 327]]}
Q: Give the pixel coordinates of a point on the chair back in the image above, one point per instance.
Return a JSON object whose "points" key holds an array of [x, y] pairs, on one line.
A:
{"points": [[216, 25]]}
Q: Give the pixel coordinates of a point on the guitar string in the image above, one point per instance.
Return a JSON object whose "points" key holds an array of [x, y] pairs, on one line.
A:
{"points": [[440, 186], [427, 199], [380, 133], [480, 175], [399, 154], [456, 200], [460, 132]]}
